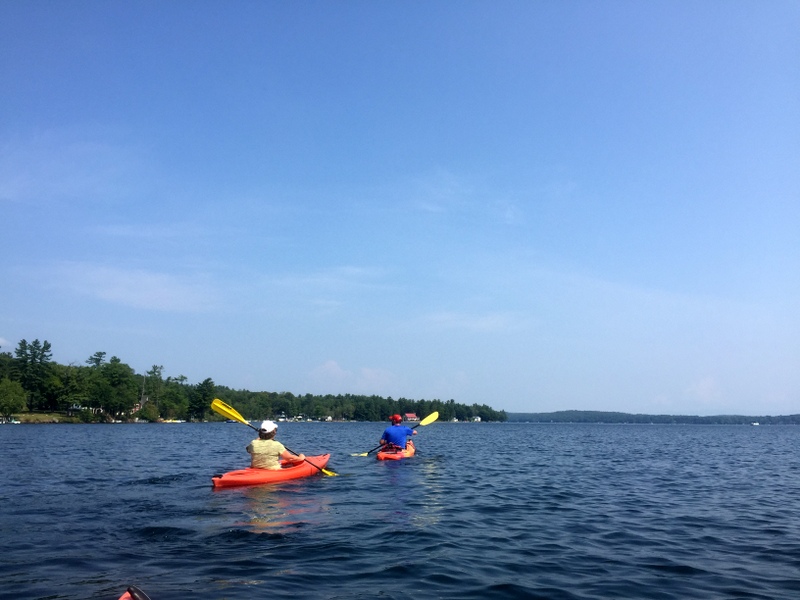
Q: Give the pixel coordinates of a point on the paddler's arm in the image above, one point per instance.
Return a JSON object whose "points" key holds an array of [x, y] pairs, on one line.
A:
{"points": [[286, 455]]}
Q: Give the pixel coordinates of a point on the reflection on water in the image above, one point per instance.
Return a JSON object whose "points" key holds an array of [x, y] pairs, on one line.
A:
{"points": [[411, 493], [272, 508], [431, 504], [400, 487]]}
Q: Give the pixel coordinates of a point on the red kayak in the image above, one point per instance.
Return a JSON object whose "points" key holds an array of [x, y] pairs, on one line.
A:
{"points": [[291, 470], [395, 453], [134, 593]]}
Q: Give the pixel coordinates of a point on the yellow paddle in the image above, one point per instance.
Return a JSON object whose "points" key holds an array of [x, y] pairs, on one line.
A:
{"points": [[229, 412], [426, 421]]}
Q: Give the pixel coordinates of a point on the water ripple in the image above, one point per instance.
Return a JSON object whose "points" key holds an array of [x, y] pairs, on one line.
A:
{"points": [[574, 512]]}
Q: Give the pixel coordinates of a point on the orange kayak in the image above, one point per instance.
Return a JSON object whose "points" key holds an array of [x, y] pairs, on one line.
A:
{"points": [[252, 476], [398, 453], [134, 593]]}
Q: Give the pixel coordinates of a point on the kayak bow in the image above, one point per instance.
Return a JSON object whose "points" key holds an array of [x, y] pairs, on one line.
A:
{"points": [[134, 593]]}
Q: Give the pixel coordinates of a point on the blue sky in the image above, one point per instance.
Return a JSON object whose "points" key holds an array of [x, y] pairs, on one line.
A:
{"points": [[533, 205]]}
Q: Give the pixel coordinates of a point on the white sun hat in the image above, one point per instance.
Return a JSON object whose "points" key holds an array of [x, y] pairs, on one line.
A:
{"points": [[268, 426]]}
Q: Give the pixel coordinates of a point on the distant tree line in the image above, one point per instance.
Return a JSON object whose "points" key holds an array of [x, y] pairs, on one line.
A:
{"points": [[349, 407], [592, 416], [102, 390], [98, 390]]}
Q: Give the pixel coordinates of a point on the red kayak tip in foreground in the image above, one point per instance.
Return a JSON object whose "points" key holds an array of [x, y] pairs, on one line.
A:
{"points": [[134, 593]]}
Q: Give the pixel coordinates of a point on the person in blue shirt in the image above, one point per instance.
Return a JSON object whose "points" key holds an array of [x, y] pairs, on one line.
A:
{"points": [[396, 434]]}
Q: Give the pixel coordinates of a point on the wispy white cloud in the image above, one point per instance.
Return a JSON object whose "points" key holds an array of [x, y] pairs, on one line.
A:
{"points": [[706, 392], [58, 165], [365, 380], [321, 284], [511, 214], [558, 189], [448, 192], [491, 322], [151, 231], [440, 192], [137, 288]]}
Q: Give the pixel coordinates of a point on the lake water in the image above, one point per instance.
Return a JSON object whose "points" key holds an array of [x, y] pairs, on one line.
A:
{"points": [[482, 511]]}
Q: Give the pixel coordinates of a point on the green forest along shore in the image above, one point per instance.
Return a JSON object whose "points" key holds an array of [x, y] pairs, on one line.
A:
{"points": [[34, 388]]}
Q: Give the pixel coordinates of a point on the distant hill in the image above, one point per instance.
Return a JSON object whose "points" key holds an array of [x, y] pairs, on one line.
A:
{"points": [[593, 416]]}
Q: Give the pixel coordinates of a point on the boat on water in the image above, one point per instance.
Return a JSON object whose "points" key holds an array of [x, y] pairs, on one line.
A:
{"points": [[395, 453], [134, 593], [250, 476]]}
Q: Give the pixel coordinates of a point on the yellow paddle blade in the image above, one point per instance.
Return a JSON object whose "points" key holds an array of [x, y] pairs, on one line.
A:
{"points": [[360, 454], [430, 418], [228, 411], [329, 473]]}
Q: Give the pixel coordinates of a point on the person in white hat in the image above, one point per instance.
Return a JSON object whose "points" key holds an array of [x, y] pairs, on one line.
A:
{"points": [[266, 452]]}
